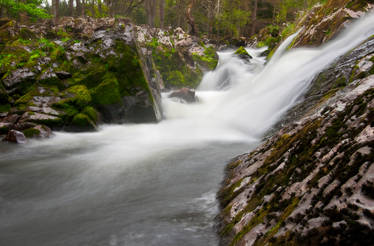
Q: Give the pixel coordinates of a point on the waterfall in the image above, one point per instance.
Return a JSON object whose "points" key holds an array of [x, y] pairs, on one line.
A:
{"points": [[155, 184]]}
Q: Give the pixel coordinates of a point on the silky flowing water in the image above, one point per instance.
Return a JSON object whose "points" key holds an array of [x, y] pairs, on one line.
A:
{"points": [[155, 184]]}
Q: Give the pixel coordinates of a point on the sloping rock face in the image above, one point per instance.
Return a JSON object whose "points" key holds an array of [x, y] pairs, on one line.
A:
{"points": [[324, 22], [74, 76], [312, 182]]}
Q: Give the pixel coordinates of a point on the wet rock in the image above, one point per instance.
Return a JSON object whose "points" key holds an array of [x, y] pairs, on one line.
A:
{"points": [[44, 131], [185, 94], [48, 75], [18, 76], [63, 75], [14, 136], [4, 127], [44, 110]]}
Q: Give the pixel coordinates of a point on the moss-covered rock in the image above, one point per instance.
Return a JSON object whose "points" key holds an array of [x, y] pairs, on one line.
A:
{"points": [[63, 79], [31, 132], [78, 95], [107, 92], [242, 53], [91, 113], [82, 121]]}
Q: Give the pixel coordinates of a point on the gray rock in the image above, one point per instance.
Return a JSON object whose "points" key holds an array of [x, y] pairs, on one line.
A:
{"points": [[14, 136], [18, 76], [63, 75], [186, 94]]}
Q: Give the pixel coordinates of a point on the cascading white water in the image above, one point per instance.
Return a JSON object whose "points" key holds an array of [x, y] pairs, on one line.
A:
{"points": [[154, 184]]}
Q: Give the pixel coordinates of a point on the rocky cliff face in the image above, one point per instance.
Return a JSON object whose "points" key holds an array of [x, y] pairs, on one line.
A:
{"points": [[312, 182], [73, 76], [84, 71], [180, 58]]}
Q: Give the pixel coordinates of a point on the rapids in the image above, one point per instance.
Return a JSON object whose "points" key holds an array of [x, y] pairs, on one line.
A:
{"points": [[155, 184]]}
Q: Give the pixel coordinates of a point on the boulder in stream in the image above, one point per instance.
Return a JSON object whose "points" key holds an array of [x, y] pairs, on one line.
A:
{"points": [[14, 136], [185, 94]]}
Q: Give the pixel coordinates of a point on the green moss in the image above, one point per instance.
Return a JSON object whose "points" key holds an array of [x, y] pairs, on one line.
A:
{"points": [[175, 72], [93, 76], [241, 51], [26, 98], [68, 110], [25, 33], [257, 219], [90, 112], [209, 59], [227, 194], [357, 5], [107, 92], [4, 129], [58, 54], [4, 108], [82, 120], [80, 95], [286, 212], [340, 82], [176, 78], [31, 132]]}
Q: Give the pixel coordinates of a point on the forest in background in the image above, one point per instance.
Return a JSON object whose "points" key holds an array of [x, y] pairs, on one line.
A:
{"points": [[213, 18]]}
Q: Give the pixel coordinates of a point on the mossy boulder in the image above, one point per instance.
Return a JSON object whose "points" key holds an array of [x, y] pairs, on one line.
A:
{"points": [[242, 53], [82, 121]]}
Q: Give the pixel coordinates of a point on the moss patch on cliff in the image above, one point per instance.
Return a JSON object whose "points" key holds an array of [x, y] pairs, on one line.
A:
{"points": [[107, 92]]}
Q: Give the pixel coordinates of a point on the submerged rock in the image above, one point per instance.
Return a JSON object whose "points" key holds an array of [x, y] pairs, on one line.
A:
{"points": [[185, 94]]}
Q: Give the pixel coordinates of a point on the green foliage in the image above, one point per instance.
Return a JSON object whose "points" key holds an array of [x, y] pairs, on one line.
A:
{"points": [[30, 7], [233, 17]]}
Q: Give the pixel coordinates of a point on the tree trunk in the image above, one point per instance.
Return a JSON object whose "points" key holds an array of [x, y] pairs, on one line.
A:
{"points": [[190, 19], [150, 7], [254, 17], [55, 5], [162, 13], [71, 8], [83, 6], [78, 8], [100, 7], [92, 7]]}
